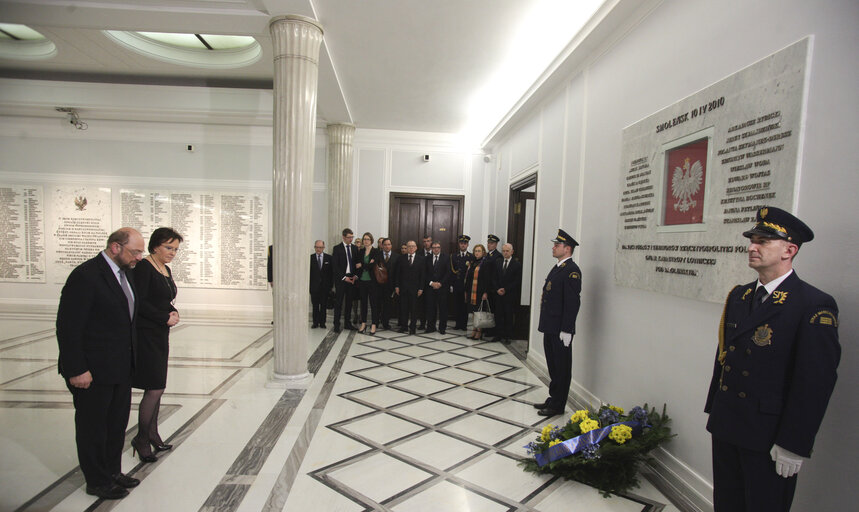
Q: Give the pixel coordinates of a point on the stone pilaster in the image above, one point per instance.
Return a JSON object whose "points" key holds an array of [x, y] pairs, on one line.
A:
{"points": [[340, 152], [295, 41]]}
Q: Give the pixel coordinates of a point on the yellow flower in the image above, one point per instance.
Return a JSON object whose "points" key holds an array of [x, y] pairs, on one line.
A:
{"points": [[620, 433], [553, 443], [618, 410], [588, 425], [546, 433], [579, 416]]}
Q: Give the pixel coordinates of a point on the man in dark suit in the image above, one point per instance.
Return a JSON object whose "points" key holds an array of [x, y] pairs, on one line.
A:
{"points": [[459, 264], [426, 252], [559, 307], [774, 372], [508, 279], [343, 258], [391, 261], [438, 283], [410, 286], [96, 337], [321, 279]]}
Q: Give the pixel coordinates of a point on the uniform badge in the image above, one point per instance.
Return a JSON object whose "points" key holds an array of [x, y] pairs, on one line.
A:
{"points": [[548, 286], [763, 335], [824, 318], [575, 275], [746, 294], [779, 297], [562, 265]]}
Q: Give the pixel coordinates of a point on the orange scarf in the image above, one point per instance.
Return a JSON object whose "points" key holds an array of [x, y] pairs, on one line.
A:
{"points": [[474, 282]]}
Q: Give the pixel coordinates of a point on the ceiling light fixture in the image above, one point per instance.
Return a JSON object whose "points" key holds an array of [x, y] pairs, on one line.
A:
{"points": [[74, 117]]}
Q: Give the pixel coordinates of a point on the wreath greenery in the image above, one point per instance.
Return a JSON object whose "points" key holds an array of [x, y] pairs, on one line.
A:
{"points": [[602, 448]]}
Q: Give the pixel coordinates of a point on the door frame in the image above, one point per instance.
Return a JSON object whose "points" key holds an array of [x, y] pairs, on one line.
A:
{"points": [[516, 236]]}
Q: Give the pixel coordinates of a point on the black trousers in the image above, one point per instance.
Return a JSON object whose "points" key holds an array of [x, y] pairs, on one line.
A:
{"points": [[369, 292], [460, 308], [505, 305], [386, 305], [437, 308], [559, 360], [745, 481], [344, 292], [317, 303], [408, 309], [101, 417]]}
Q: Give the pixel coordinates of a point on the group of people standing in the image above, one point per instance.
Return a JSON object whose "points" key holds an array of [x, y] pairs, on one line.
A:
{"points": [[113, 325], [419, 283]]}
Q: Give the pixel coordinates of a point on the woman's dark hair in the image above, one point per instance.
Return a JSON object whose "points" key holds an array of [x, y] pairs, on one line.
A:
{"points": [[367, 234], [162, 235]]}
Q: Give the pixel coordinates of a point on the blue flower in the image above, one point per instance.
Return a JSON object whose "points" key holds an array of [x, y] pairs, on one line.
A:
{"points": [[608, 416], [590, 452], [640, 415], [532, 448]]}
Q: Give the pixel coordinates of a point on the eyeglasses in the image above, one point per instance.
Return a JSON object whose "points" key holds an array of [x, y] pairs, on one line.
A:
{"points": [[136, 253]]}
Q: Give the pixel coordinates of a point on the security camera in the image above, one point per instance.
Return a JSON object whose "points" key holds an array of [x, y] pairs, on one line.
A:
{"points": [[487, 158], [426, 158], [189, 148]]}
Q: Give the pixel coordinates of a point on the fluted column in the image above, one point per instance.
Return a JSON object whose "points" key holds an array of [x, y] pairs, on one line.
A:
{"points": [[295, 41], [340, 150]]}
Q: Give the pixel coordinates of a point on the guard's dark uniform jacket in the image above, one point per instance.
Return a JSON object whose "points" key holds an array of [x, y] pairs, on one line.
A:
{"points": [[561, 299], [775, 369], [458, 267]]}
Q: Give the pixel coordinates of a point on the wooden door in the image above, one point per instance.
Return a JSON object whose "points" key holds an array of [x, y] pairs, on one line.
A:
{"points": [[520, 233], [413, 216]]}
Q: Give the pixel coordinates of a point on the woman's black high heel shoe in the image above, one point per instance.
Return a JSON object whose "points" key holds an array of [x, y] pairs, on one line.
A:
{"points": [[160, 446], [143, 457]]}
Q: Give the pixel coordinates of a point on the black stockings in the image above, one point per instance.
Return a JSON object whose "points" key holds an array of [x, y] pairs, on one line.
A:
{"points": [[147, 419]]}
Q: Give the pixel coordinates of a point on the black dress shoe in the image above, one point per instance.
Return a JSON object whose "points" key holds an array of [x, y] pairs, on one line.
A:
{"points": [[125, 481], [441, 331], [550, 412], [542, 405], [323, 326], [387, 327], [431, 329], [336, 328], [350, 327], [314, 326], [411, 331], [107, 492]]}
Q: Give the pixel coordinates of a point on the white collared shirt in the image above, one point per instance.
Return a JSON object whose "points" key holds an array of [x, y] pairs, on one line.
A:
{"points": [[772, 285], [563, 260]]}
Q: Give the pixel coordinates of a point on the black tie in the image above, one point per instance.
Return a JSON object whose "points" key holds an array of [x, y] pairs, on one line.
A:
{"points": [[410, 259], [348, 258], [434, 260], [760, 293]]}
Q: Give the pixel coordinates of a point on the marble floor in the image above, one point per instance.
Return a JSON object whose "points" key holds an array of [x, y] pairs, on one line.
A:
{"points": [[395, 422]]}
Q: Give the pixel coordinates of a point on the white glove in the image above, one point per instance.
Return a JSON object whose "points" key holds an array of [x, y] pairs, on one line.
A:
{"points": [[567, 338], [451, 289], [787, 463]]}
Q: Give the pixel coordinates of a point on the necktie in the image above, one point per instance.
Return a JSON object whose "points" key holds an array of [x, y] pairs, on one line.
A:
{"points": [[387, 255], [760, 293], [123, 282], [410, 259], [434, 260], [462, 255], [320, 261], [505, 266], [348, 259]]}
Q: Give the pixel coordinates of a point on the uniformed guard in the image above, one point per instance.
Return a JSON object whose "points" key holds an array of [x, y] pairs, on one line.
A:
{"points": [[559, 306], [774, 372], [490, 261], [459, 262], [492, 251]]}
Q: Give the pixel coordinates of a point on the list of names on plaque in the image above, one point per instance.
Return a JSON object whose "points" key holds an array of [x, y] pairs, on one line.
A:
{"points": [[79, 227], [224, 234], [741, 135], [22, 242]]}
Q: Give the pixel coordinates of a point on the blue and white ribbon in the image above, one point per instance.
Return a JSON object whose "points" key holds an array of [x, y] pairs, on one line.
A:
{"points": [[578, 443]]}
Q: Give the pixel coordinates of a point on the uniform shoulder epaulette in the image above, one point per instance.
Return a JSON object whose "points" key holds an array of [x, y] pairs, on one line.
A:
{"points": [[575, 275]]}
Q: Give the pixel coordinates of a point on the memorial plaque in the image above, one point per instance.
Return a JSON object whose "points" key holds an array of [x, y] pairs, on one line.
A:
{"points": [[79, 227], [22, 241], [225, 234], [694, 174]]}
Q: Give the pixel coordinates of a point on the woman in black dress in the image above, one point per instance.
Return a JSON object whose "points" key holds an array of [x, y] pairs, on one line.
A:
{"points": [[154, 292], [478, 283]]}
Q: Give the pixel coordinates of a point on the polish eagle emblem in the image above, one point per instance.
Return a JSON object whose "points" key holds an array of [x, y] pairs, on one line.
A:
{"points": [[685, 183], [80, 203]]}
